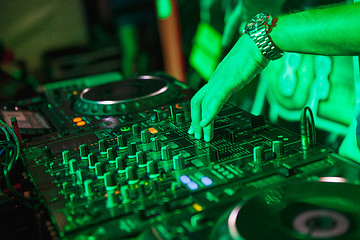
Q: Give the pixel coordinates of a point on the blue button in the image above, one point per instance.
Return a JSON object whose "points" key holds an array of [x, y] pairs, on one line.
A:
{"points": [[206, 181], [185, 179], [192, 185]]}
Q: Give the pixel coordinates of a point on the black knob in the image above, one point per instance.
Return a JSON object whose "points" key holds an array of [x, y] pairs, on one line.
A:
{"points": [[121, 164], [100, 169], [131, 174], [278, 148], [180, 119], [152, 169], [84, 151], [102, 146], [109, 180], [132, 149], [141, 158], [92, 157], [136, 129], [66, 156], [259, 155], [155, 144], [145, 136], [121, 141], [72, 166], [166, 153], [178, 162], [47, 152], [111, 155]]}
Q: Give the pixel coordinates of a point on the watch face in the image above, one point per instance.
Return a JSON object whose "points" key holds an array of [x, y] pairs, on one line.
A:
{"points": [[257, 22]]}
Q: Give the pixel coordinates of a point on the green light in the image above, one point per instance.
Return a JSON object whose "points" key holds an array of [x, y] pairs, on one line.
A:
{"points": [[163, 8]]}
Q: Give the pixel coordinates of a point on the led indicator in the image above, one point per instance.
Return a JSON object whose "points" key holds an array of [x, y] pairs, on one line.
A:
{"points": [[206, 181], [192, 185], [185, 179], [79, 124], [77, 119], [153, 130], [197, 207], [125, 129]]}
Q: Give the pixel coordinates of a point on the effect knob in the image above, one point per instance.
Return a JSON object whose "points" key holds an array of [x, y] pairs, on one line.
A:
{"points": [[278, 148], [166, 153], [84, 151], [131, 175], [100, 169], [141, 158], [121, 141], [178, 162], [136, 129], [110, 181], [259, 155], [121, 164], [111, 155], [66, 156], [132, 149], [102, 146], [145, 136], [152, 169], [92, 160], [155, 144]]}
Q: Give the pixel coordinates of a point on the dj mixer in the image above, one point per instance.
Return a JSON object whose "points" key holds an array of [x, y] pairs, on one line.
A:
{"points": [[115, 166]]}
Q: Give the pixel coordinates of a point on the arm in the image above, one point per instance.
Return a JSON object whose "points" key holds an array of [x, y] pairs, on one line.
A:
{"points": [[330, 31]]}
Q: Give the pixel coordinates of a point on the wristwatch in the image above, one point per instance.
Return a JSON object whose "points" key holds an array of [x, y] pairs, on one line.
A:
{"points": [[257, 28]]}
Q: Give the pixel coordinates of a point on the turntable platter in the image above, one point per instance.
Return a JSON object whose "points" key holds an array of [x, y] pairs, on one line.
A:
{"points": [[317, 210], [126, 96]]}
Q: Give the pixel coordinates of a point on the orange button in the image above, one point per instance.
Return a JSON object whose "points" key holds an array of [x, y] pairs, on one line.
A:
{"points": [[82, 123], [77, 119], [153, 130]]}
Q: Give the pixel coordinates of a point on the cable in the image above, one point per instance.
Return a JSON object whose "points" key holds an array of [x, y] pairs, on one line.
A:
{"points": [[305, 124]]}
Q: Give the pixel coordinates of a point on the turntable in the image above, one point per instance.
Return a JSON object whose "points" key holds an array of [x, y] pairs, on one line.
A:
{"points": [[301, 211], [126, 96]]}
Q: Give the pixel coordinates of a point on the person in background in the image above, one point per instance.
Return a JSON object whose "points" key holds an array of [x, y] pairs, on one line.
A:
{"points": [[332, 31]]}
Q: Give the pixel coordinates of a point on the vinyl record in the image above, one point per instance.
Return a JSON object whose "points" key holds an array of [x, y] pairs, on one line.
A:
{"points": [[306, 211]]}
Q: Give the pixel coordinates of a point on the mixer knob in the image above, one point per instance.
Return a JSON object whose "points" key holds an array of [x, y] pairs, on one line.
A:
{"points": [[72, 166], [89, 189], [136, 129], [166, 153], [109, 181], [259, 155], [155, 116], [141, 158], [121, 141], [180, 119], [47, 153], [278, 148], [121, 164], [131, 175], [152, 169], [132, 149], [178, 162], [155, 144], [145, 136], [80, 175], [92, 160], [66, 156], [102, 146], [84, 151], [100, 169], [111, 155]]}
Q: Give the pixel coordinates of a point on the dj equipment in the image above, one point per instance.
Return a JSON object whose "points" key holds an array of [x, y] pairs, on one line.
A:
{"points": [[118, 167]]}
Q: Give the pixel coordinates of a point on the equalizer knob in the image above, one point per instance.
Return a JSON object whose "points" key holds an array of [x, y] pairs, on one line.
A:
{"points": [[132, 149], [152, 169], [155, 116], [121, 164], [166, 153], [178, 162], [131, 175], [80, 175], [136, 129], [141, 158], [72, 166], [145, 136], [92, 157], [88, 187], [100, 169], [121, 141], [102, 146], [110, 181], [84, 151], [278, 148], [155, 144], [66, 156], [259, 155], [180, 118], [111, 155]]}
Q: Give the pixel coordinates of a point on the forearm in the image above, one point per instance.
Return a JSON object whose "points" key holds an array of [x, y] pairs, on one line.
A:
{"points": [[327, 31]]}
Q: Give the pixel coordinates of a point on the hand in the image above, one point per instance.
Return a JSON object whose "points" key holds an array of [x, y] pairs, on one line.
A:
{"points": [[239, 67]]}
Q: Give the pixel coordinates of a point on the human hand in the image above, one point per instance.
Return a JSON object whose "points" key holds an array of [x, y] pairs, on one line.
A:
{"points": [[239, 67]]}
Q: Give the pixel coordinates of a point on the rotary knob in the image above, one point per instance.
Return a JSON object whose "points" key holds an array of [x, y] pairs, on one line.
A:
{"points": [[84, 151], [166, 153], [121, 141]]}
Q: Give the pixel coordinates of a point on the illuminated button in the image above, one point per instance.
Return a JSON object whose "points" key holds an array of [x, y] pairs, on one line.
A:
{"points": [[185, 179], [153, 130], [77, 119], [197, 207], [79, 124], [125, 129], [192, 185], [206, 181]]}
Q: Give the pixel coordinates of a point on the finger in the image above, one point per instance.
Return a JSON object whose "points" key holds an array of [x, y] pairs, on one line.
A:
{"points": [[196, 115], [211, 108], [209, 132]]}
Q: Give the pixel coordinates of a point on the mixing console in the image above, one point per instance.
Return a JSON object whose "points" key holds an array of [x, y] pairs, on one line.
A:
{"points": [[140, 175]]}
